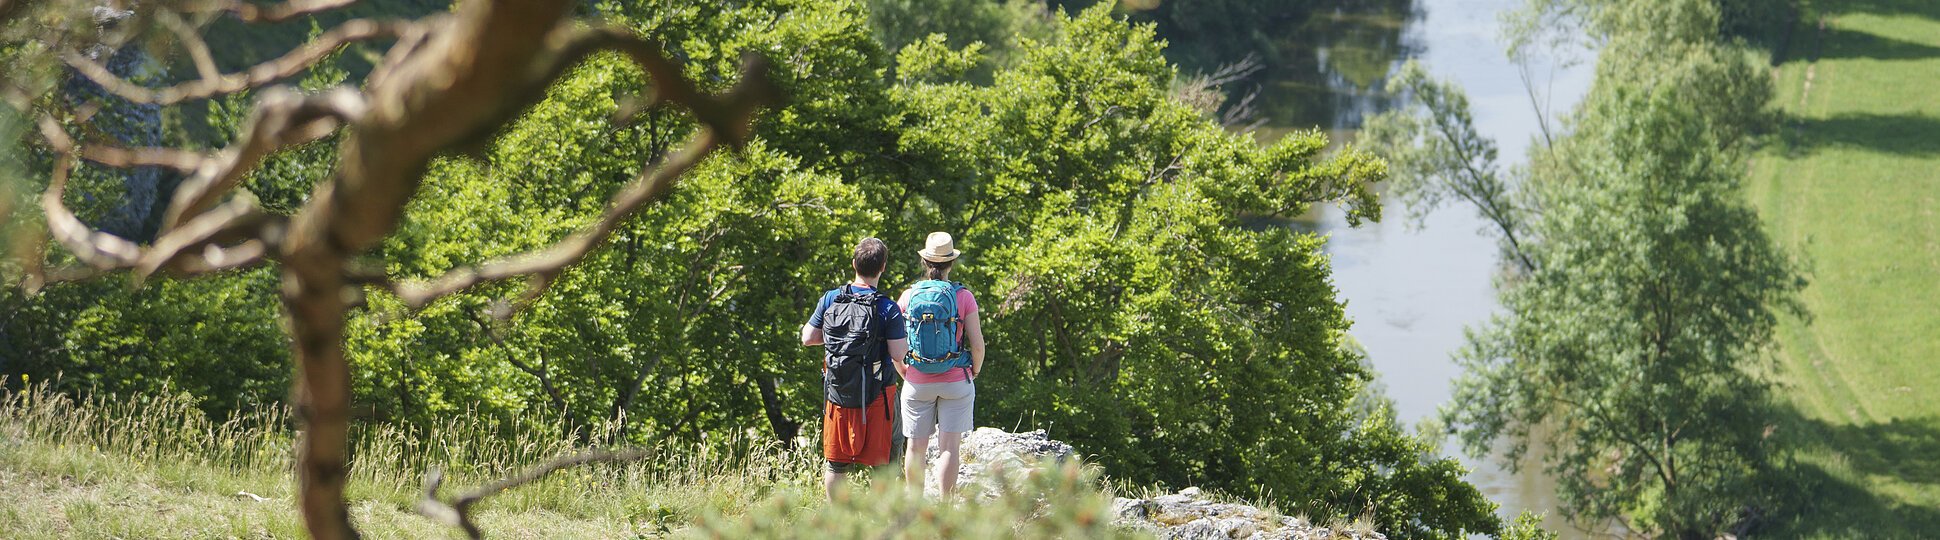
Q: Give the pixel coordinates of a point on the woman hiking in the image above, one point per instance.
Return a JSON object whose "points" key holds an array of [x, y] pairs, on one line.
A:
{"points": [[945, 355]]}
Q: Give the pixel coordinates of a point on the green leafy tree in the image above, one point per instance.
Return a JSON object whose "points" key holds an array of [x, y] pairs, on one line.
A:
{"points": [[1527, 526], [996, 24], [680, 328], [1636, 344], [1133, 310], [1634, 352], [1436, 156]]}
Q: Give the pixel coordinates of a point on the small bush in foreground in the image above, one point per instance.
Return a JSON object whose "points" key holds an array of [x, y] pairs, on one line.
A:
{"points": [[1045, 503]]}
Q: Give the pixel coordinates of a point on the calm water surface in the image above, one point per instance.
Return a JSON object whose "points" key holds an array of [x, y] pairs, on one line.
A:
{"points": [[1411, 292]]}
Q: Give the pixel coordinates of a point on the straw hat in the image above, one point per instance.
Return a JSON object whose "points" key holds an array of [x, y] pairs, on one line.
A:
{"points": [[939, 248]]}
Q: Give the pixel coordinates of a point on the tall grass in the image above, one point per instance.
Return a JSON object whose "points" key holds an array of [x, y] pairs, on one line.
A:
{"points": [[160, 430], [164, 439], [155, 465]]}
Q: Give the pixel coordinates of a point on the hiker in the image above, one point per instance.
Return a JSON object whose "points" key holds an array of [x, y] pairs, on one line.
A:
{"points": [[859, 330], [945, 357]]}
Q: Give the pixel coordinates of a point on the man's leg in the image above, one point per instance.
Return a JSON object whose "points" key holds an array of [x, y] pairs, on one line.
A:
{"points": [[916, 454], [831, 481], [947, 443]]}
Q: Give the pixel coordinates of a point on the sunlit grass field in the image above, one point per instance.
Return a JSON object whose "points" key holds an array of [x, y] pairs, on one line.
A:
{"points": [[1851, 184], [156, 467]]}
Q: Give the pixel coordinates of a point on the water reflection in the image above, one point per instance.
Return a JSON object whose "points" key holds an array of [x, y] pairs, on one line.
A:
{"points": [[1333, 65], [1323, 62]]}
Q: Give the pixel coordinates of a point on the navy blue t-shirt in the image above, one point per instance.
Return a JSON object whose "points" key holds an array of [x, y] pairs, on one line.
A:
{"points": [[888, 314]]}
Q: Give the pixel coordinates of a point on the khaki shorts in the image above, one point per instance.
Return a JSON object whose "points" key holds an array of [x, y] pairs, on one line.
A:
{"points": [[927, 407]]}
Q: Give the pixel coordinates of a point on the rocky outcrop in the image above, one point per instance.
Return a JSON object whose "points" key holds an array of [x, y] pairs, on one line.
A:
{"points": [[994, 458], [1187, 515]]}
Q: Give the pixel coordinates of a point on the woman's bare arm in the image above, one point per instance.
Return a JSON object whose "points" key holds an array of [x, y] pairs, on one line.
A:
{"points": [[973, 334]]}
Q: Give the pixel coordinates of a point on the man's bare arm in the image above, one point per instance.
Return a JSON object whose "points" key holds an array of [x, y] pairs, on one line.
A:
{"points": [[811, 336], [896, 358], [897, 349]]}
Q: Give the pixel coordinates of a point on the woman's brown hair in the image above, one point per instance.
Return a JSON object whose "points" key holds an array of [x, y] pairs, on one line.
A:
{"points": [[936, 270]]}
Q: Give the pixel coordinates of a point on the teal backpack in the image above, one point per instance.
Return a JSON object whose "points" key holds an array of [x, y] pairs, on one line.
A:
{"points": [[935, 343]]}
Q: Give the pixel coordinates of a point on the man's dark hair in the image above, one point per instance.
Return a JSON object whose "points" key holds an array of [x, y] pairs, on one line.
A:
{"points": [[936, 270], [870, 257]]}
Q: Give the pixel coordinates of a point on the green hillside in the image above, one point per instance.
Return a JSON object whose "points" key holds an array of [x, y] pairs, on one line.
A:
{"points": [[1852, 186]]}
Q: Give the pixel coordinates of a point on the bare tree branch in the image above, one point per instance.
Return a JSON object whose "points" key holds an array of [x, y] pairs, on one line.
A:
{"points": [[731, 114], [457, 513], [181, 160], [38, 278], [544, 265], [239, 223], [191, 249], [253, 13], [205, 63], [409, 42], [94, 248], [261, 74], [282, 118], [1245, 67]]}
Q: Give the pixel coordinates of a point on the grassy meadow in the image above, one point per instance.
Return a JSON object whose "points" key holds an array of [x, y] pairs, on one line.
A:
{"points": [[157, 467], [1852, 186]]}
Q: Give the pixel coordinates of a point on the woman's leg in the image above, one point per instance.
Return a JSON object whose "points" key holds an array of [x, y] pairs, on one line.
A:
{"points": [[916, 455], [919, 421], [948, 442], [954, 418]]}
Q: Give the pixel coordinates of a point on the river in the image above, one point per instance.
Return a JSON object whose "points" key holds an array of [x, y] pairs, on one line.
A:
{"points": [[1411, 292]]}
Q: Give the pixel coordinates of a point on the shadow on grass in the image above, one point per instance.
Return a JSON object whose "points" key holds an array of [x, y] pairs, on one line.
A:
{"points": [[1839, 495], [1921, 8], [1915, 136], [1845, 44]]}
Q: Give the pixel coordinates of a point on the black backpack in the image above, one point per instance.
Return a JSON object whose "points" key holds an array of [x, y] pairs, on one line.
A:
{"points": [[852, 343]]}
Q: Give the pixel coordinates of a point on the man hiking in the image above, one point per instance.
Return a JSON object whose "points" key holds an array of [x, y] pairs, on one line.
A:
{"points": [[860, 331], [945, 355]]}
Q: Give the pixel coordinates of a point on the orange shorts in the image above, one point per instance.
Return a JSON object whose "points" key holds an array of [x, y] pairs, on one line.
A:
{"points": [[857, 436]]}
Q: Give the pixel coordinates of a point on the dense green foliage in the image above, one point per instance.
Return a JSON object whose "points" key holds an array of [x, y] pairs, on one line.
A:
{"points": [[1636, 351], [1134, 308], [995, 25]]}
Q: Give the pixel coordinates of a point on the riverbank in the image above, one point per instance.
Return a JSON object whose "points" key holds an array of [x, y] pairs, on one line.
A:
{"points": [[1852, 186]]}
